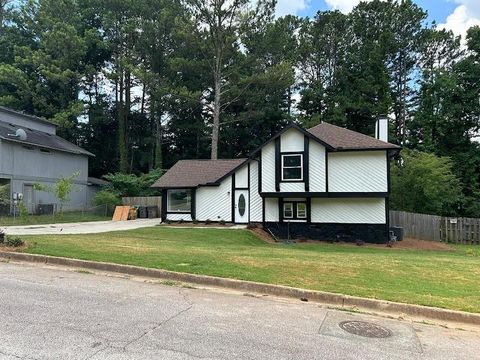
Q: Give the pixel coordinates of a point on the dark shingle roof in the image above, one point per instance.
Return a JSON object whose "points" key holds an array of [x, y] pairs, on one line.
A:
{"points": [[40, 139], [192, 173], [342, 139]]}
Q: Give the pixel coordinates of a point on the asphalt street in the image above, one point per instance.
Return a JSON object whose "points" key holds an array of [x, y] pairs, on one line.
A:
{"points": [[49, 313]]}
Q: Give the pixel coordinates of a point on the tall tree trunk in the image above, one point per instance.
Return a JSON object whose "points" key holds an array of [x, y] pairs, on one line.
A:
{"points": [[122, 146], [158, 143], [216, 108]]}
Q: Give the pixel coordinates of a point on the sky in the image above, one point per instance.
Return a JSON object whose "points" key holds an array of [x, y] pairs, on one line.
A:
{"points": [[455, 15]]}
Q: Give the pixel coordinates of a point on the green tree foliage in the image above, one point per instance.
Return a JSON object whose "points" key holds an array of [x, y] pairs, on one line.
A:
{"points": [[144, 83], [131, 185], [425, 183], [62, 189]]}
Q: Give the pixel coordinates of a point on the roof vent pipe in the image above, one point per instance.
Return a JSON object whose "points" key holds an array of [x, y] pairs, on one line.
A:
{"points": [[381, 128]]}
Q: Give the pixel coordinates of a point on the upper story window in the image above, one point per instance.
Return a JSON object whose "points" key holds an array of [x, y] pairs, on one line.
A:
{"points": [[292, 167]]}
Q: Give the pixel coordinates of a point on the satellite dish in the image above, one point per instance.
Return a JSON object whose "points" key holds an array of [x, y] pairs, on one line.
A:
{"points": [[21, 134]]}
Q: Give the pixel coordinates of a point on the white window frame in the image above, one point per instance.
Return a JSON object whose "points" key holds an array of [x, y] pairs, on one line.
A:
{"points": [[189, 197], [284, 207], [305, 206], [292, 167]]}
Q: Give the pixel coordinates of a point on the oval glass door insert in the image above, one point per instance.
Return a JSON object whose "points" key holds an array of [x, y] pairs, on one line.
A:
{"points": [[241, 205]]}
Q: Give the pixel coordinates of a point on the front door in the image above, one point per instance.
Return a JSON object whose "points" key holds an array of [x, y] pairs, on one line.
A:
{"points": [[241, 206]]}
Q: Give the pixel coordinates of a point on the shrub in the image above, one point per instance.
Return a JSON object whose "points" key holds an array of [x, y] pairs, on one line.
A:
{"points": [[222, 222], [23, 211], [14, 241], [208, 221], [108, 198], [2, 236], [194, 221]]}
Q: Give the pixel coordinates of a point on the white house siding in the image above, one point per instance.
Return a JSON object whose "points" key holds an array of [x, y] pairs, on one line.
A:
{"points": [[268, 167], [348, 210], [255, 199], [317, 167], [241, 177], [292, 187], [291, 140], [214, 202], [271, 210], [357, 171], [178, 217]]}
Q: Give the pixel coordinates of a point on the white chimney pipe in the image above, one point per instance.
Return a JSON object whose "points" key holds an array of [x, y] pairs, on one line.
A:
{"points": [[381, 128]]}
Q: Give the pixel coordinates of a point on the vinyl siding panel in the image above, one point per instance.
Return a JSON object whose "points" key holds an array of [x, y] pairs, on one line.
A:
{"points": [[292, 187], [361, 171], [255, 199], [348, 211], [177, 217], [214, 202], [317, 167], [291, 140], [271, 210], [241, 177], [268, 167]]}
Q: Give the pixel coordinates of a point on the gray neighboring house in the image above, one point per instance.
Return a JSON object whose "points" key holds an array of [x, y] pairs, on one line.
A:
{"points": [[40, 157]]}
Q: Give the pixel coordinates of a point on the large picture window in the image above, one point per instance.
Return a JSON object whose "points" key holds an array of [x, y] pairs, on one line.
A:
{"points": [[179, 201], [292, 167]]}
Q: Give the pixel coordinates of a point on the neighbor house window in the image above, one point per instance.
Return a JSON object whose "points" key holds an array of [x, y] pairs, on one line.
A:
{"points": [[294, 210], [292, 167], [179, 200]]}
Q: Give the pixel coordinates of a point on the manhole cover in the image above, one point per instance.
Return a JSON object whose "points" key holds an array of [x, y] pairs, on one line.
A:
{"points": [[366, 329]]}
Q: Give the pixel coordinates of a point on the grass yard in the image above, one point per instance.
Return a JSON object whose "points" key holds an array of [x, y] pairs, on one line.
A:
{"points": [[448, 279], [66, 217]]}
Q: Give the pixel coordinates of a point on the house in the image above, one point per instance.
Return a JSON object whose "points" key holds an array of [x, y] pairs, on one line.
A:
{"points": [[325, 182], [31, 153]]}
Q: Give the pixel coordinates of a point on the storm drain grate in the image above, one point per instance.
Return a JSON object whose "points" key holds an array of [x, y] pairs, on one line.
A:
{"points": [[366, 329]]}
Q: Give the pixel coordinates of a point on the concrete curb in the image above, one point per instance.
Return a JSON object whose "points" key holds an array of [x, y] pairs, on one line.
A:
{"points": [[339, 300]]}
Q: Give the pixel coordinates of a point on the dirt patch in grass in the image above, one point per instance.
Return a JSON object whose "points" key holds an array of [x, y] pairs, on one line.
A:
{"points": [[263, 235], [409, 243]]}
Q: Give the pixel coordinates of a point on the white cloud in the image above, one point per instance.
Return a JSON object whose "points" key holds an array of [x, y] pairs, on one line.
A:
{"points": [[345, 6], [466, 15], [285, 7]]}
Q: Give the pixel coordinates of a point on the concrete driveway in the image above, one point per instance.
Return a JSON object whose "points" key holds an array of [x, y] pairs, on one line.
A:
{"points": [[80, 227], [47, 313]]}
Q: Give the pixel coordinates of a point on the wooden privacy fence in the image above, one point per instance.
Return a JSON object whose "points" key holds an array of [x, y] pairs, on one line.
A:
{"points": [[144, 201], [432, 227]]}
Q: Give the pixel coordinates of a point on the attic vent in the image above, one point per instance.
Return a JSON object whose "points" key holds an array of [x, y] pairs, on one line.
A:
{"points": [[46, 151], [12, 125], [28, 147]]}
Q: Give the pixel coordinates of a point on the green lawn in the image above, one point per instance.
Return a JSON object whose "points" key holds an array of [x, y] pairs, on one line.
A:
{"points": [[66, 217], [448, 279]]}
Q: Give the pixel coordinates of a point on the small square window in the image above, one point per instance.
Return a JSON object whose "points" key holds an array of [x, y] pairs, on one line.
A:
{"points": [[301, 210], [288, 210]]}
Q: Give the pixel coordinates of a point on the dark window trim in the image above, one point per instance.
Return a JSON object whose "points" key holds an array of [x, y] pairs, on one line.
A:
{"points": [[302, 167], [294, 210], [180, 212]]}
